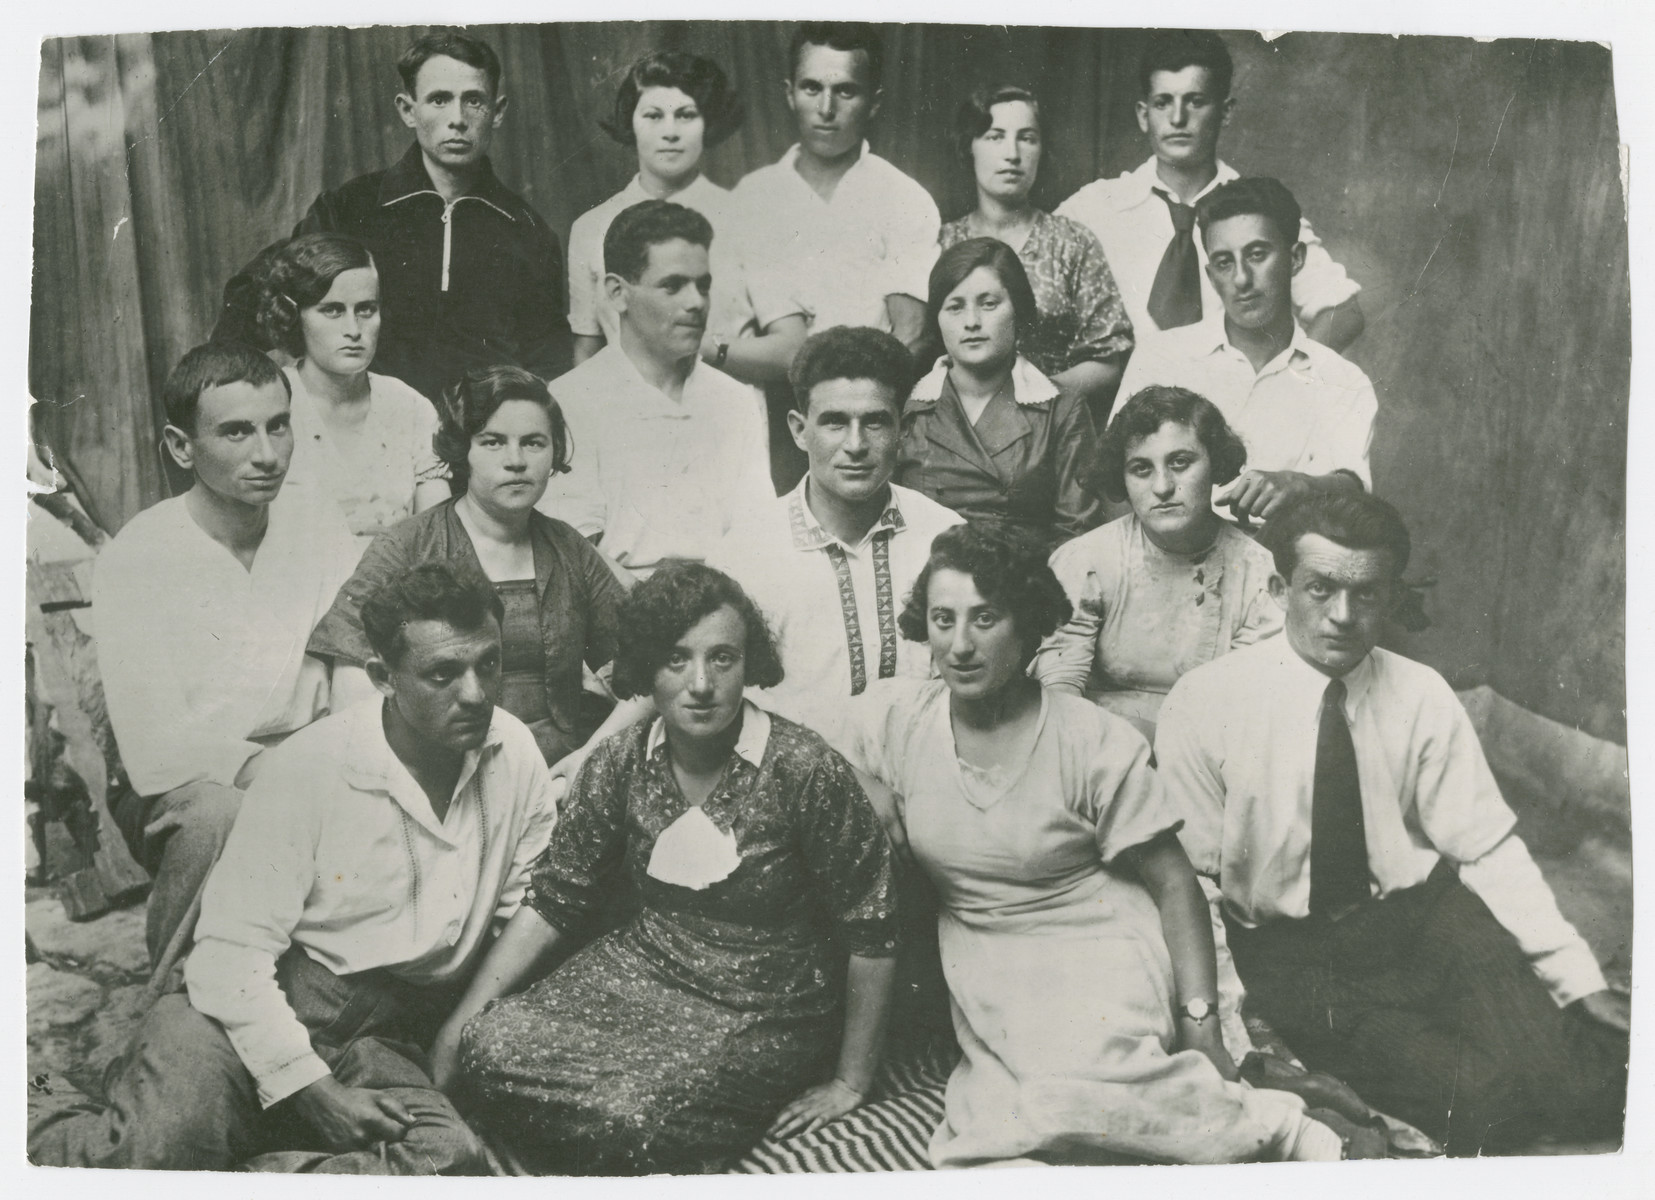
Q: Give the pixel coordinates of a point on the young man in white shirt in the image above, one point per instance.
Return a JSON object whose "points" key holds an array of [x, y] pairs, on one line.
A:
{"points": [[667, 450], [1383, 914], [372, 862], [1305, 414], [832, 231], [203, 604], [831, 563], [1145, 218]]}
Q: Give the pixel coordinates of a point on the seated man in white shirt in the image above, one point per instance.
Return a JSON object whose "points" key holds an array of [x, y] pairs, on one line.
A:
{"points": [[831, 563], [203, 604], [373, 859], [667, 450], [1383, 915], [832, 231], [1145, 218], [1305, 414]]}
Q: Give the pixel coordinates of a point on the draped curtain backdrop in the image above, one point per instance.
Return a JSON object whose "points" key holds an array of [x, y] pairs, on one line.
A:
{"points": [[1473, 188]]}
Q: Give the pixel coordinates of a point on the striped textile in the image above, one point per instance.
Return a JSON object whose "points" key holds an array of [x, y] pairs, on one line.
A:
{"points": [[889, 1133]]}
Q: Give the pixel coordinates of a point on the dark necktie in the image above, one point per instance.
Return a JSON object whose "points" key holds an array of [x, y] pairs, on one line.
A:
{"points": [[1175, 298], [1338, 847]]}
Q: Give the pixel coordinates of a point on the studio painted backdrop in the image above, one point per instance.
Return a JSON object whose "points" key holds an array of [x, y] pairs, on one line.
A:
{"points": [[1473, 188]]}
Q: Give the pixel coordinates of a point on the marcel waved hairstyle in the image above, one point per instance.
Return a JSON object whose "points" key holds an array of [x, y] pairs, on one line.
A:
{"points": [[962, 258], [1253, 195], [1144, 414], [701, 79], [432, 591], [851, 352], [1008, 568], [975, 114], [299, 275], [664, 607], [469, 404], [1355, 520], [449, 43], [214, 365], [844, 36], [1175, 49], [645, 224]]}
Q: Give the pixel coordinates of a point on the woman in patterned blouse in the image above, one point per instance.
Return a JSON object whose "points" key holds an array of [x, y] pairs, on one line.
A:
{"points": [[1082, 337], [723, 1010]]}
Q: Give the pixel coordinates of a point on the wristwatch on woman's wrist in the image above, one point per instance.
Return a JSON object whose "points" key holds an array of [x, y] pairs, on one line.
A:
{"points": [[721, 350], [1196, 1010]]}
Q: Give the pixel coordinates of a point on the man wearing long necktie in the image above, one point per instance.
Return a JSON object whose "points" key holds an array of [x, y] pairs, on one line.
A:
{"points": [[1383, 915]]}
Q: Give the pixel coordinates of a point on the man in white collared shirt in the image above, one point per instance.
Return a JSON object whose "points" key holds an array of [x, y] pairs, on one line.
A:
{"points": [[1382, 913], [372, 862], [1305, 414], [1185, 77], [204, 604], [831, 563], [667, 450]]}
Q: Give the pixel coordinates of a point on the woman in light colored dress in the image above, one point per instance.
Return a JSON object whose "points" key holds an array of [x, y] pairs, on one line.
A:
{"points": [[1082, 336], [361, 438], [1074, 936], [1171, 584]]}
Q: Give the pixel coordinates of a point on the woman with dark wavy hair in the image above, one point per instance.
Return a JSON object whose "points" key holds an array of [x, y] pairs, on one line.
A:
{"points": [[1075, 938], [1082, 335], [361, 439], [502, 437], [671, 108], [986, 433], [725, 1007], [1171, 584]]}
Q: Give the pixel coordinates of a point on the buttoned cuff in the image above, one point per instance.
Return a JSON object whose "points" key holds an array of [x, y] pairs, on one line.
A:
{"points": [[276, 1086]]}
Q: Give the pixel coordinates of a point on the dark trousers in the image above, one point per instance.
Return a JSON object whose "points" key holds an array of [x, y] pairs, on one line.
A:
{"points": [[1424, 1004], [179, 1098]]}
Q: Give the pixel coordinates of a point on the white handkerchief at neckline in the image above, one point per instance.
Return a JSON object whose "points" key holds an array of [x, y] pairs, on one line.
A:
{"points": [[693, 852]]}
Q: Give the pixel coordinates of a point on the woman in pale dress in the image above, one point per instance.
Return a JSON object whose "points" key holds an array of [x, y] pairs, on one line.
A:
{"points": [[1074, 936], [1171, 584], [362, 439]]}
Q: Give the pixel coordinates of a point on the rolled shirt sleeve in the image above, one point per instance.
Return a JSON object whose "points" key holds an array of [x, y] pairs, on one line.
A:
{"points": [[846, 850], [1065, 659], [1321, 283]]}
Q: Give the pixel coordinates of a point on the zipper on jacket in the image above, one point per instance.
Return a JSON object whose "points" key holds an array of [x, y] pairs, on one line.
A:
{"points": [[447, 239]]}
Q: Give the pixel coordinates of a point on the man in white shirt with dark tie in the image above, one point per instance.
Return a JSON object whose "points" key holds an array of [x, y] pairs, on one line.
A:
{"points": [[1383, 914], [1146, 217], [373, 860]]}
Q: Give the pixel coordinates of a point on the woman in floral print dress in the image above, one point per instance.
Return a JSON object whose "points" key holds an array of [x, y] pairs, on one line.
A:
{"points": [[724, 1008]]}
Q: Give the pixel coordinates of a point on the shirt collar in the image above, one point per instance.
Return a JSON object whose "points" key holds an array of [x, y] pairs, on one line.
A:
{"points": [[1028, 385], [408, 177], [791, 158], [1144, 181], [1308, 681], [750, 745], [1212, 337], [627, 377], [373, 766], [807, 532]]}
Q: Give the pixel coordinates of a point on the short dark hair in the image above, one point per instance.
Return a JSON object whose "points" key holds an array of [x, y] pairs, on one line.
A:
{"points": [[298, 276], [1144, 414], [962, 258], [1355, 520], [1010, 570], [1249, 196], [469, 404], [1175, 49], [449, 43], [851, 352], [440, 590], [975, 114], [701, 79], [844, 36], [214, 365], [661, 609], [649, 223]]}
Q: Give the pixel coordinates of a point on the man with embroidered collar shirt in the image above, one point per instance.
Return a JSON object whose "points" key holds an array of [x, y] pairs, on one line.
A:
{"points": [[1305, 413], [832, 231], [831, 563], [1383, 914], [469, 272], [204, 605], [667, 450], [1145, 217], [371, 864]]}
